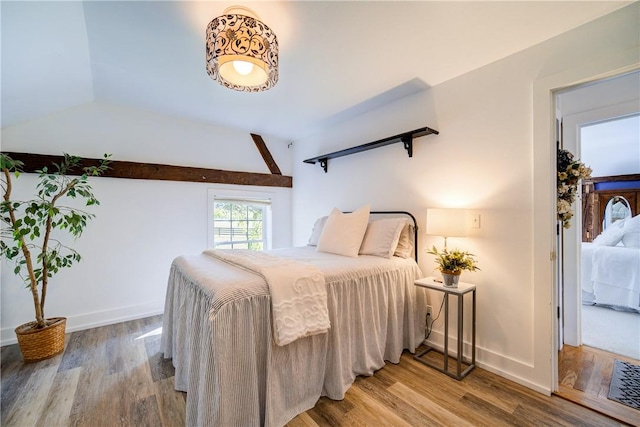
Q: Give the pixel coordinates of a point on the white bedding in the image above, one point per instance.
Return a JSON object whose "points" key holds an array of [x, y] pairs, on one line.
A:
{"points": [[217, 328], [586, 268], [297, 289], [611, 275]]}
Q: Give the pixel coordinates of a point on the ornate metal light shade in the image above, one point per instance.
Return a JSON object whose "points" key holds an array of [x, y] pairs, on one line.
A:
{"points": [[242, 52]]}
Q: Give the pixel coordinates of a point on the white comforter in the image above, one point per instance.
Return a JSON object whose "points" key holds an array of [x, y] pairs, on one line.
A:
{"points": [[217, 327]]}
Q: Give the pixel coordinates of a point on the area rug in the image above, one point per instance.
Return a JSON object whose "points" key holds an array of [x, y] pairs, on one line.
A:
{"points": [[625, 384]]}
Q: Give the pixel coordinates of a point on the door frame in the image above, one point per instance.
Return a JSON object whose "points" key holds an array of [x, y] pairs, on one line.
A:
{"points": [[545, 249], [572, 298]]}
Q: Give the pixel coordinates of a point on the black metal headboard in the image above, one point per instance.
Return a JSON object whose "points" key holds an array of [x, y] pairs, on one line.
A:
{"points": [[415, 227]]}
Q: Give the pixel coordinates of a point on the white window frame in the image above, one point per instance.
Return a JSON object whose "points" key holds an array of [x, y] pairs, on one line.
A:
{"points": [[249, 197]]}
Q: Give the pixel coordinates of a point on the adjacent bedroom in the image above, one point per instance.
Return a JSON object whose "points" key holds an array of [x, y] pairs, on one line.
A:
{"points": [[313, 213], [611, 260]]}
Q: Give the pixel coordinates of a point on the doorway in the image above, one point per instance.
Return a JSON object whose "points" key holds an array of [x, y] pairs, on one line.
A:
{"points": [[597, 111], [584, 111]]}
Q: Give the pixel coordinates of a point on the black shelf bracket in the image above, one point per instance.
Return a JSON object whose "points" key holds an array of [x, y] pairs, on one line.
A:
{"points": [[407, 141], [324, 164], [406, 138]]}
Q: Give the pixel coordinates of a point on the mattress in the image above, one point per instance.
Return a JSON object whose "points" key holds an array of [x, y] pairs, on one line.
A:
{"points": [[217, 329]]}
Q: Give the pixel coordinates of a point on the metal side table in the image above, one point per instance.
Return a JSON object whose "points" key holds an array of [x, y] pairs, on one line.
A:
{"points": [[460, 291]]}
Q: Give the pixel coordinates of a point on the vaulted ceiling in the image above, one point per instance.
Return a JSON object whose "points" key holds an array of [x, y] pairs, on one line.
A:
{"points": [[337, 59]]}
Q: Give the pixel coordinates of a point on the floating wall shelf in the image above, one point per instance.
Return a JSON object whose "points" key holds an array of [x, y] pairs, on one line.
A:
{"points": [[406, 138]]}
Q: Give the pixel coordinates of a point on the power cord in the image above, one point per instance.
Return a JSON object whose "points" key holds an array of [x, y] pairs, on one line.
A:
{"points": [[430, 325]]}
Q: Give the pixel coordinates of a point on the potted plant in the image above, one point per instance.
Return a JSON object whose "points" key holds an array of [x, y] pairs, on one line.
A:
{"points": [[28, 242], [452, 263]]}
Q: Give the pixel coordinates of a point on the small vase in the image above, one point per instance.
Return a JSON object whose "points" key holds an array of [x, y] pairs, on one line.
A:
{"points": [[450, 279]]}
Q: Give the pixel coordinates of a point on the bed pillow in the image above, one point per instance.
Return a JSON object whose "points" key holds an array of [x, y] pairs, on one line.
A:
{"points": [[609, 237], [381, 237], [404, 248], [343, 233], [317, 230], [631, 229]]}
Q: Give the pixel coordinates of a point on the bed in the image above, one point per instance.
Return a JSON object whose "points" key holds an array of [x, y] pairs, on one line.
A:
{"points": [[218, 329], [610, 267]]}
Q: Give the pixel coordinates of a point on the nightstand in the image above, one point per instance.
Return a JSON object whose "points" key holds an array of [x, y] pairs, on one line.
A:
{"points": [[460, 291]]}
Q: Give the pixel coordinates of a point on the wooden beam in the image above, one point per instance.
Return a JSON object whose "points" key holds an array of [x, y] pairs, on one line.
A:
{"points": [[153, 171], [266, 154]]}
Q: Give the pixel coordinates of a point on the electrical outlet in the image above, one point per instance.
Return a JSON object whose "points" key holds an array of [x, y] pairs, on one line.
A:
{"points": [[429, 311]]}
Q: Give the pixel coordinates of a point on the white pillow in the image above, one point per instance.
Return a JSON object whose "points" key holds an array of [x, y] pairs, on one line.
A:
{"points": [[381, 237], [403, 250], [609, 237], [317, 230], [342, 233], [631, 237]]}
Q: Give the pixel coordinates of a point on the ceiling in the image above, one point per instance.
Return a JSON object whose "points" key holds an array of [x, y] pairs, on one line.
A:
{"points": [[337, 59]]}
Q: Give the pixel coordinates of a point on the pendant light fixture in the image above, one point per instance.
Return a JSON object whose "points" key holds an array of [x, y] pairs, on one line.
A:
{"points": [[242, 51]]}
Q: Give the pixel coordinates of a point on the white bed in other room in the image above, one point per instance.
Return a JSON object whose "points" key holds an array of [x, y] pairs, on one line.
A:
{"points": [[611, 266], [217, 327]]}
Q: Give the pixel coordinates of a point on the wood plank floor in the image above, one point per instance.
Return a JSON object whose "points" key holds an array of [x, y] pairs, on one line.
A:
{"points": [[585, 375], [115, 375]]}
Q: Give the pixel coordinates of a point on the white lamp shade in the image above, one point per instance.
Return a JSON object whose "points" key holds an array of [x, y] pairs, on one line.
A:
{"points": [[447, 222]]}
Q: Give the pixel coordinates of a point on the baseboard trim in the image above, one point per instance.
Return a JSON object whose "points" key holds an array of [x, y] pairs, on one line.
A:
{"points": [[95, 319], [507, 367]]}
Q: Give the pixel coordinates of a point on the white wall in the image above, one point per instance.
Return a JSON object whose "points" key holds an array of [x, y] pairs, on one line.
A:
{"points": [[600, 94], [609, 148], [140, 225], [490, 159], [613, 147]]}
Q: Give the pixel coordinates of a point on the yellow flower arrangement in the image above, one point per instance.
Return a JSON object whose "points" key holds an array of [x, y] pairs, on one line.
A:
{"points": [[455, 261]]}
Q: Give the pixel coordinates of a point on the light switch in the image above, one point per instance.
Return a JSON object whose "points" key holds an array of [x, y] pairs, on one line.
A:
{"points": [[475, 221]]}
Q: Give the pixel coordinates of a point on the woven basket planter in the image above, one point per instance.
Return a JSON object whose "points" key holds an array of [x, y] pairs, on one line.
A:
{"points": [[40, 344]]}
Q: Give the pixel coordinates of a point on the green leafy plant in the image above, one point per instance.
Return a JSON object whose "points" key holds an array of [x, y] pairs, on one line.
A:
{"points": [[455, 261], [27, 225]]}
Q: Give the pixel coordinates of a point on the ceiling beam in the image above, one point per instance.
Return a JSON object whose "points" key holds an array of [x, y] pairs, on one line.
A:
{"points": [[266, 154], [161, 172]]}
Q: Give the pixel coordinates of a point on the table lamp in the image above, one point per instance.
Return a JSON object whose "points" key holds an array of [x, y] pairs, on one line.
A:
{"points": [[447, 223]]}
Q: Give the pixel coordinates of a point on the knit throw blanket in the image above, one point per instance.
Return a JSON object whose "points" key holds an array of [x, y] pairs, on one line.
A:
{"points": [[298, 292]]}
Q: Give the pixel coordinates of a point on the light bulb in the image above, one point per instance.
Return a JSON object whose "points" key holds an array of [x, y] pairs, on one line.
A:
{"points": [[243, 67]]}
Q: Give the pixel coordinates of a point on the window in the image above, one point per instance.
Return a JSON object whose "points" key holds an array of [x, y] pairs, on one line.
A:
{"points": [[241, 223]]}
